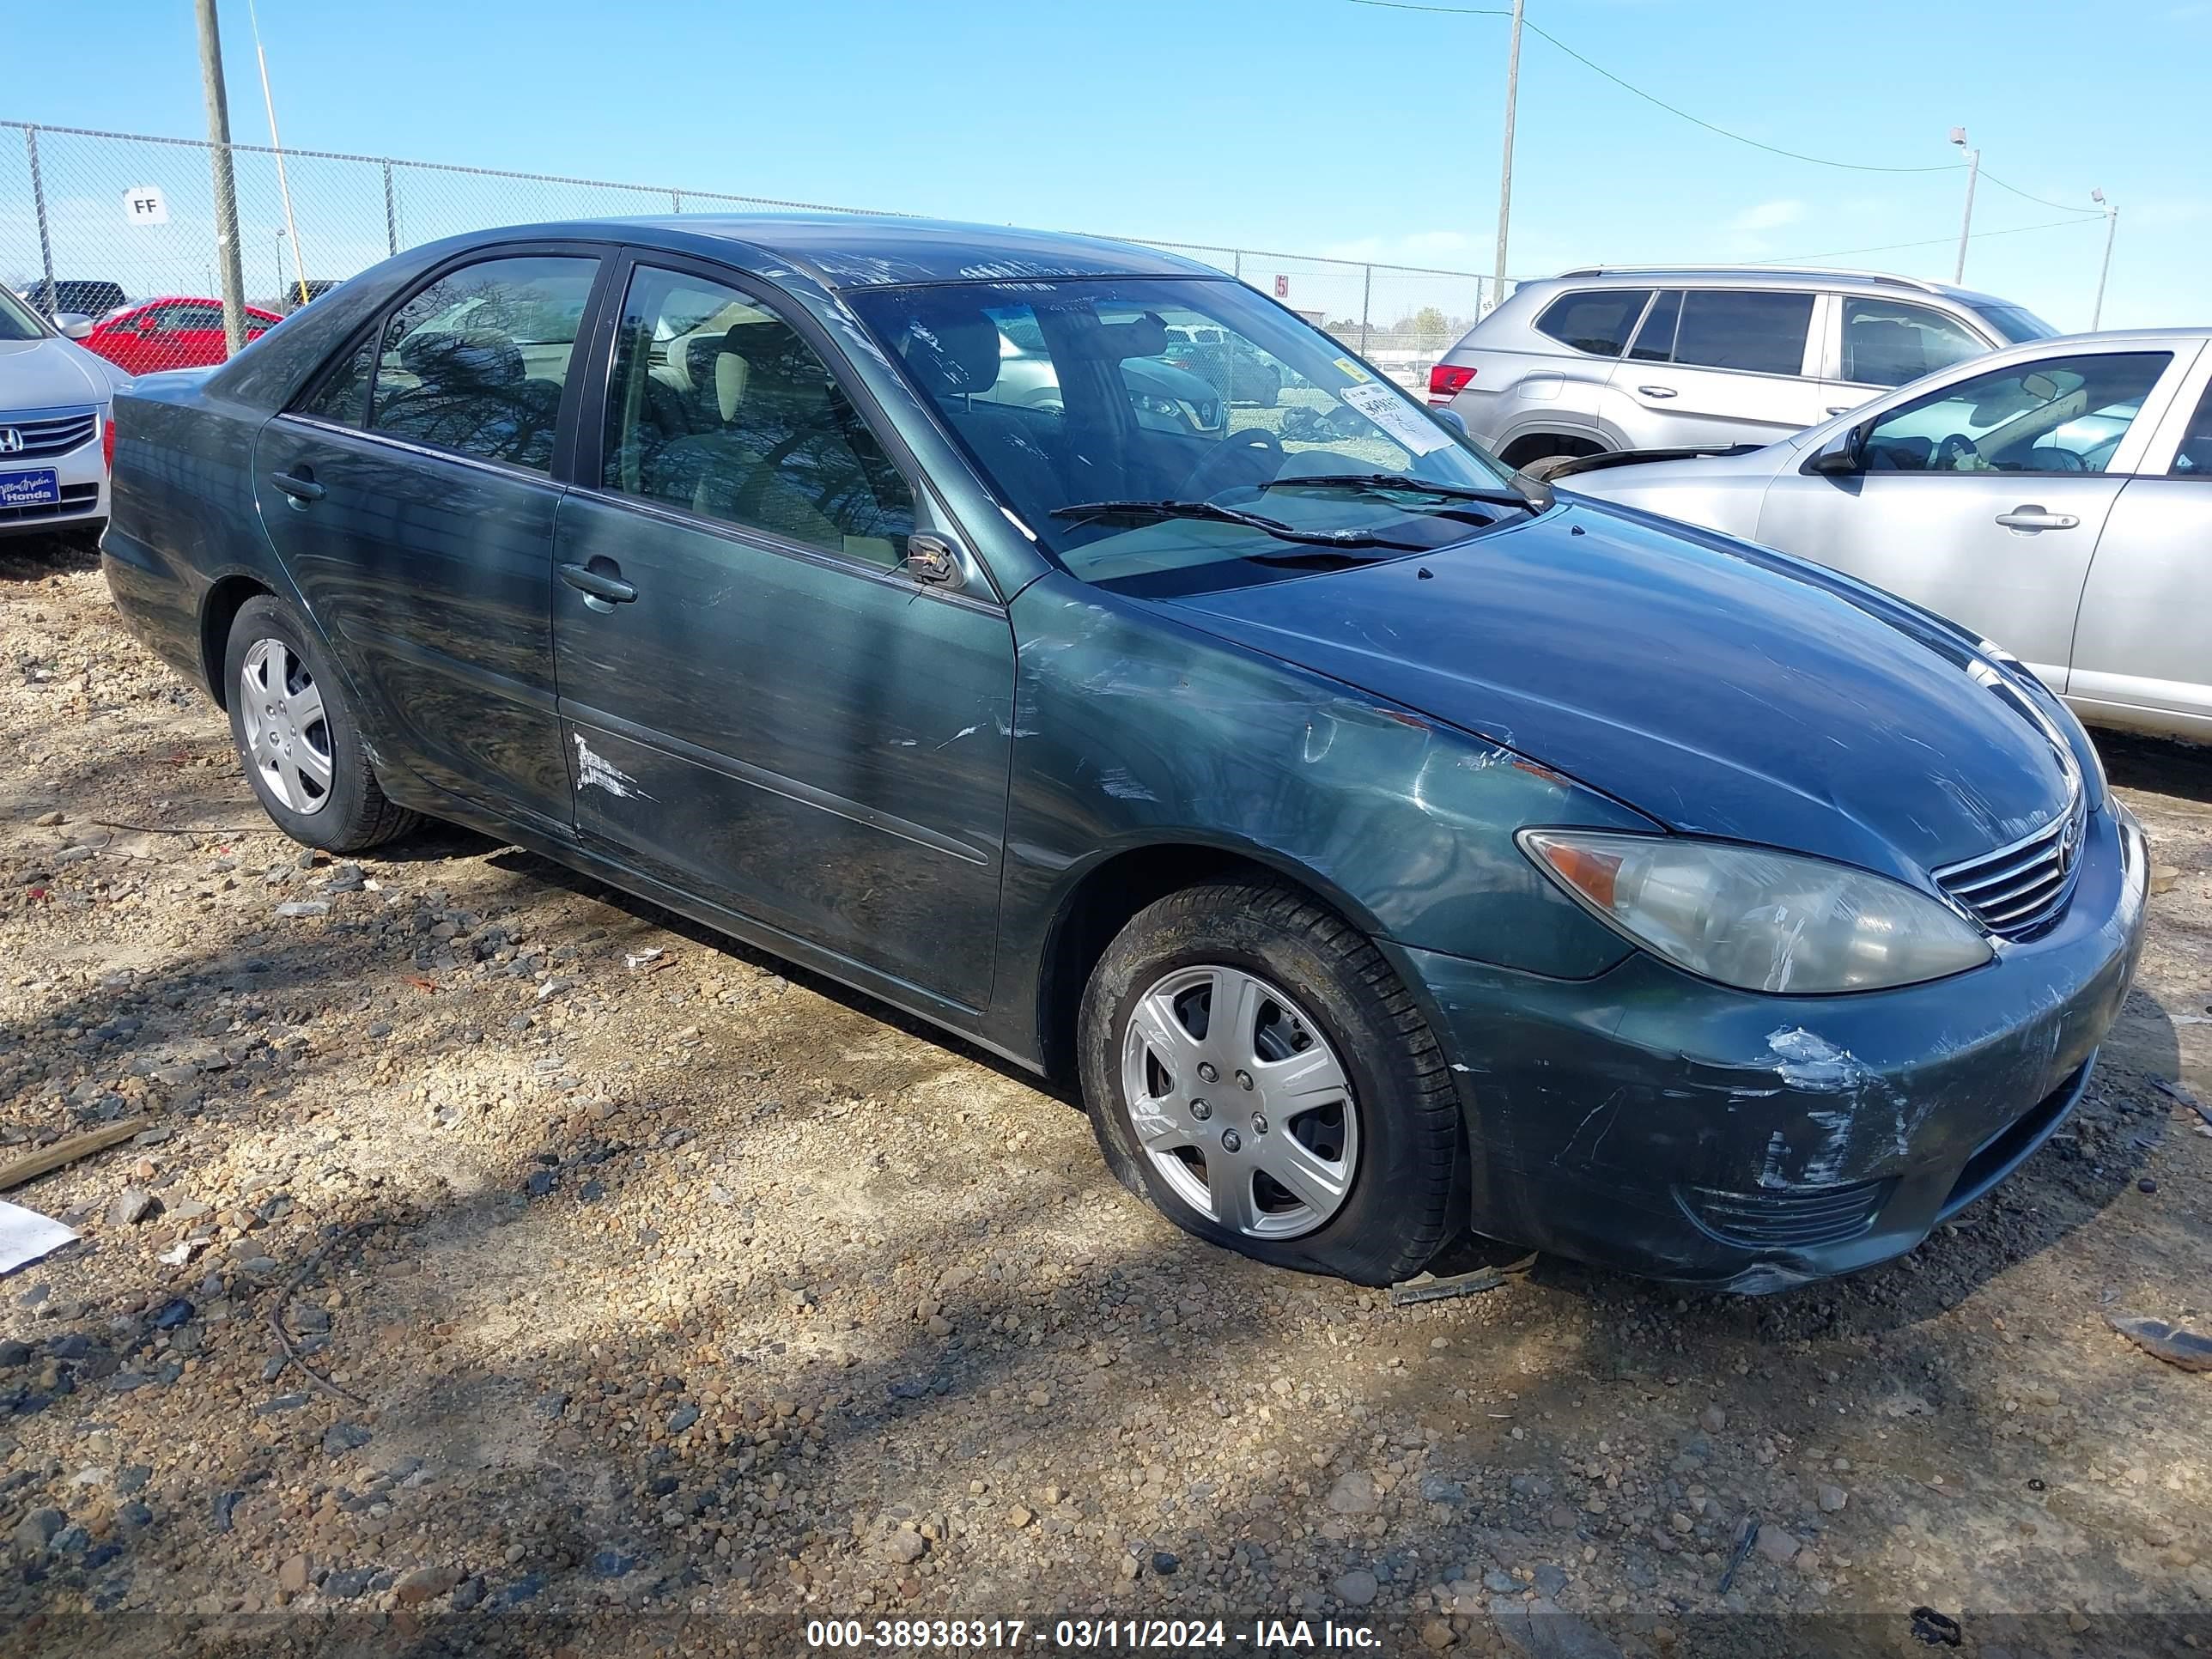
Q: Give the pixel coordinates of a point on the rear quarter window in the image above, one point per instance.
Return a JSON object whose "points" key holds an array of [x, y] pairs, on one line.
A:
{"points": [[1597, 321]]}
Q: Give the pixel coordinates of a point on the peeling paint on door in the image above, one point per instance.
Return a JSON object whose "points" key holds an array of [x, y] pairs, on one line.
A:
{"points": [[597, 772]]}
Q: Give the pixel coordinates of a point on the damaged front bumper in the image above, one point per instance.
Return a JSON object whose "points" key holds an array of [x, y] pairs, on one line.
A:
{"points": [[1652, 1121]]}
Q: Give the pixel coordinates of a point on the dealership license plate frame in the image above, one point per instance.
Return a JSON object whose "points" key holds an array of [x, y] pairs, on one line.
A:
{"points": [[42, 487]]}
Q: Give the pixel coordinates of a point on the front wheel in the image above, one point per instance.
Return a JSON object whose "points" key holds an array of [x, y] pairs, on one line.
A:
{"points": [[297, 737], [1255, 1069]]}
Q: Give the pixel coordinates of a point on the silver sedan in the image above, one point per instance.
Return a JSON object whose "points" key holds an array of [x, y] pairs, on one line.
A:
{"points": [[2055, 497]]}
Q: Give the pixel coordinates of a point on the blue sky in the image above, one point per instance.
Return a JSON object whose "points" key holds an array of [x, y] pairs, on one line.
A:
{"points": [[1313, 125]]}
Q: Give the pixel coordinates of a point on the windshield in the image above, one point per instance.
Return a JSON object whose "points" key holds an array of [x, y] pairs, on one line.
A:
{"points": [[16, 320], [2016, 324], [1170, 434]]}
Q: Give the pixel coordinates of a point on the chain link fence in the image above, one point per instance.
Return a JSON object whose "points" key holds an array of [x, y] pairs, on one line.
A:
{"points": [[90, 220]]}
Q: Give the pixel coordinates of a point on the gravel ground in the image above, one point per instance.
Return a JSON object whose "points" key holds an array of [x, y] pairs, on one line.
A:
{"points": [[649, 1296]]}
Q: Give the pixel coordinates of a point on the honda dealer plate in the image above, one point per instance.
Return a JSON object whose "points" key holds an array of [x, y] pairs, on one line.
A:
{"points": [[41, 489]]}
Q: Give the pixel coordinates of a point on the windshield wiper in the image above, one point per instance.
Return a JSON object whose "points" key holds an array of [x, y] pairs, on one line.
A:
{"points": [[1379, 484], [1214, 513]]}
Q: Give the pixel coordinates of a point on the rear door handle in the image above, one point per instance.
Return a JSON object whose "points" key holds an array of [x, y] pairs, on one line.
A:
{"points": [[2034, 518], [299, 489], [1841, 409], [609, 590], [1656, 390]]}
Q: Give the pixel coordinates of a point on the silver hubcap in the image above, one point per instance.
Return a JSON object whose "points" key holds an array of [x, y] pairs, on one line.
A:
{"points": [[1240, 1102], [287, 736]]}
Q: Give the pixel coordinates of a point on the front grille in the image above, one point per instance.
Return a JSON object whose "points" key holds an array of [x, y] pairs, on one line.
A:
{"points": [[76, 498], [49, 434], [1800, 1219], [2018, 892]]}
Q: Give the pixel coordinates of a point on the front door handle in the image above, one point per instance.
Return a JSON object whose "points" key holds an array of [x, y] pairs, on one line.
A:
{"points": [[1656, 390], [300, 487], [1841, 409], [602, 589], [2034, 518]]}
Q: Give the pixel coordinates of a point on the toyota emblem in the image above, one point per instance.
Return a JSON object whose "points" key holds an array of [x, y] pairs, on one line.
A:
{"points": [[2070, 845], [11, 442]]}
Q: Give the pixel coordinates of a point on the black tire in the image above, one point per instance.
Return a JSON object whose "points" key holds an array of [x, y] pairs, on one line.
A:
{"points": [[353, 816], [1405, 1201]]}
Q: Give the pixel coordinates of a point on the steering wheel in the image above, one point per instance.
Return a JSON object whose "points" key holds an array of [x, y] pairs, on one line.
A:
{"points": [[1954, 450], [1241, 458]]}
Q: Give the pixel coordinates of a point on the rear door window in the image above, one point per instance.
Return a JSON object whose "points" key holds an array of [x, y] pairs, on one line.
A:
{"points": [[1655, 341], [475, 362], [1595, 321], [1888, 342], [1760, 333], [194, 318], [2194, 458]]}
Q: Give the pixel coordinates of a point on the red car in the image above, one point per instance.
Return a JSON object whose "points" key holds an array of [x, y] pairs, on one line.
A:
{"points": [[172, 333]]}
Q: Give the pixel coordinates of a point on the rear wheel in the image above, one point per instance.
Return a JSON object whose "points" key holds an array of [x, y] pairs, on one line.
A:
{"points": [[1255, 1070], [297, 737]]}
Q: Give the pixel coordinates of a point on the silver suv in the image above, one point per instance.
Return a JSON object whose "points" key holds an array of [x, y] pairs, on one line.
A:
{"points": [[1702, 356]]}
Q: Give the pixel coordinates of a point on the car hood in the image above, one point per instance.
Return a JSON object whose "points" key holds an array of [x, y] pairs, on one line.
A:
{"points": [[50, 373], [1717, 688]]}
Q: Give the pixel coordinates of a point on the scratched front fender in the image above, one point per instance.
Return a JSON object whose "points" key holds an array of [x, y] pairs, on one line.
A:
{"points": [[1133, 729]]}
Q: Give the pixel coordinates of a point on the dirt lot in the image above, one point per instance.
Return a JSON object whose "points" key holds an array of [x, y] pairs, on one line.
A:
{"points": [[666, 1300]]}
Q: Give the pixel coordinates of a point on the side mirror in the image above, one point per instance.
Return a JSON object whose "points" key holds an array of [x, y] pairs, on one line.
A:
{"points": [[933, 560], [1454, 419], [1842, 455], [73, 324]]}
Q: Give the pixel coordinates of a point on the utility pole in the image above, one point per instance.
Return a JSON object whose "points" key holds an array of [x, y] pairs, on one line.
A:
{"points": [[2111, 225], [1973, 177], [1505, 173], [226, 182]]}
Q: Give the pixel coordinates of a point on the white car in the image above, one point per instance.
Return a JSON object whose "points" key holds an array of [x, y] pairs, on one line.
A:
{"points": [[56, 439]]}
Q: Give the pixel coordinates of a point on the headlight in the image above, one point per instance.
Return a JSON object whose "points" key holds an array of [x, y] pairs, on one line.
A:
{"points": [[1757, 920]]}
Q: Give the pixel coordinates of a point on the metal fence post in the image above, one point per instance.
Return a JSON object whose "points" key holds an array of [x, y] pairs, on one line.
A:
{"points": [[676, 200], [39, 203], [390, 214], [1366, 296]]}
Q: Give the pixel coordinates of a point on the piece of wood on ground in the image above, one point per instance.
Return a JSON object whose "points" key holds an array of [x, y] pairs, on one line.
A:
{"points": [[2172, 1344], [68, 1150], [2184, 1094], [1427, 1287]]}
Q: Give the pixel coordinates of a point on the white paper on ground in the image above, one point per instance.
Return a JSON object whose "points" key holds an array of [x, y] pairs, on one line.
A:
{"points": [[25, 1236]]}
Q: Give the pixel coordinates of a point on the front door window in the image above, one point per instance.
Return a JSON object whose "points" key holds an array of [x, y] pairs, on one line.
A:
{"points": [[2057, 415], [718, 407]]}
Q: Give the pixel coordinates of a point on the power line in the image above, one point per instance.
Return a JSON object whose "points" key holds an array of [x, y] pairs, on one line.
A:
{"points": [[2038, 200], [1933, 241], [1658, 102]]}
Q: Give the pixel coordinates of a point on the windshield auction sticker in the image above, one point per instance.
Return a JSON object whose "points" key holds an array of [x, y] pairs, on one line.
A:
{"points": [[1399, 421]]}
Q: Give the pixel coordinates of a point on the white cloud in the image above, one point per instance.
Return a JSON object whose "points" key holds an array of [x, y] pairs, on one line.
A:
{"points": [[1768, 215]]}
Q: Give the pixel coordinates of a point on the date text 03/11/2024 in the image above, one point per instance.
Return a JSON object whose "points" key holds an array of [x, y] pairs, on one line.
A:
{"points": [[1263, 1636]]}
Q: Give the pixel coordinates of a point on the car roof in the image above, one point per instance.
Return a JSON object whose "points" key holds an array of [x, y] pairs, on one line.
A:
{"points": [[1768, 276], [860, 250]]}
